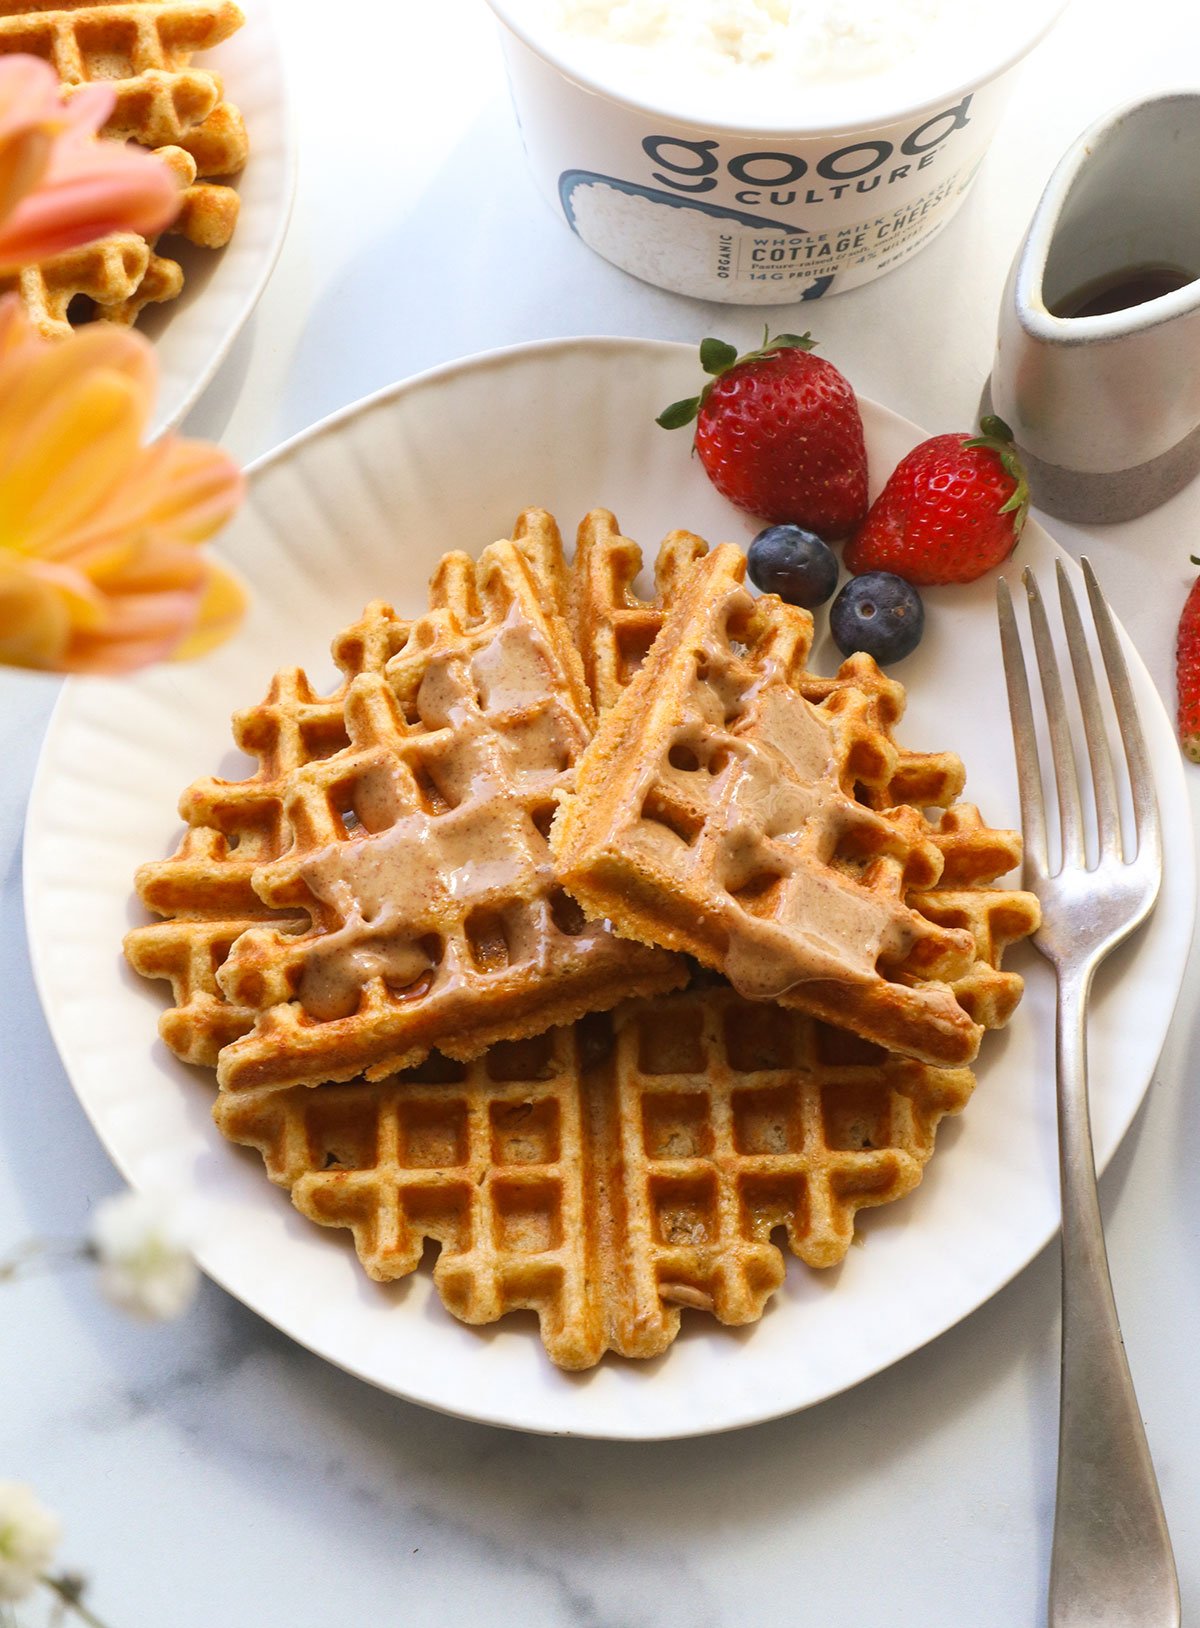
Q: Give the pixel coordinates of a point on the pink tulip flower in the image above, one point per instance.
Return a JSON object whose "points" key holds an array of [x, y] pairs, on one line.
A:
{"points": [[60, 185]]}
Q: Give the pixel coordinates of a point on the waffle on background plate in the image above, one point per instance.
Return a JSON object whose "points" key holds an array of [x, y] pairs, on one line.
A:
{"points": [[609, 1173], [144, 50]]}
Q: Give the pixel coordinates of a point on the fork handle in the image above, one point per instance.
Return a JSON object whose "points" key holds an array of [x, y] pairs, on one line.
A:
{"points": [[1111, 1565]]}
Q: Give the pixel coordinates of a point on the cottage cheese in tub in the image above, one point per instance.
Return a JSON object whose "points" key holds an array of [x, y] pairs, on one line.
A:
{"points": [[760, 151]]}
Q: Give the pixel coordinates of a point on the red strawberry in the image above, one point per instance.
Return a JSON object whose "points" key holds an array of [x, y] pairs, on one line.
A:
{"points": [[780, 434], [951, 510], [1187, 672]]}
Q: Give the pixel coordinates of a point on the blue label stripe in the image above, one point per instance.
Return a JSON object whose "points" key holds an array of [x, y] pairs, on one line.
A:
{"points": [[570, 179]]}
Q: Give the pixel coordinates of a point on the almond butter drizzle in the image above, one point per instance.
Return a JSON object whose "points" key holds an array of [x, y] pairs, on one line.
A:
{"points": [[402, 889], [780, 782]]}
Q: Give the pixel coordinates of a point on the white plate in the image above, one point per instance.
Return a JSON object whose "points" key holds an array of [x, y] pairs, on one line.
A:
{"points": [[192, 334], [361, 506]]}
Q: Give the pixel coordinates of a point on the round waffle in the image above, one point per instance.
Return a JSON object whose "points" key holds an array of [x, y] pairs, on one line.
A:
{"points": [[613, 1172]]}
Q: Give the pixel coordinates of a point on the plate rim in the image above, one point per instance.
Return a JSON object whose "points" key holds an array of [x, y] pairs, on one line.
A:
{"points": [[263, 16], [480, 1412]]}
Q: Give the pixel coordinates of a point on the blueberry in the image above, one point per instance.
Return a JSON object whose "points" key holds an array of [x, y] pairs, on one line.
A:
{"points": [[879, 613], [793, 563]]}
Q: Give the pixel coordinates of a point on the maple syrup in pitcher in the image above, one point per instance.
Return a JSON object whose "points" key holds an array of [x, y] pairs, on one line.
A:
{"points": [[1119, 290]]}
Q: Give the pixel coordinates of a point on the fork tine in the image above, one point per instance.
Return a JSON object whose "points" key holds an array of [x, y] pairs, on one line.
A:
{"points": [[1020, 706], [1141, 777], [1062, 753], [1104, 784]]}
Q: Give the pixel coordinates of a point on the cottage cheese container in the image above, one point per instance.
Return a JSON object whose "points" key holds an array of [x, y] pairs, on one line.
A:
{"points": [[759, 152]]}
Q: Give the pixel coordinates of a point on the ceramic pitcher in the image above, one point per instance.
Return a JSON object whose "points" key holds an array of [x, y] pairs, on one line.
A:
{"points": [[1104, 402]]}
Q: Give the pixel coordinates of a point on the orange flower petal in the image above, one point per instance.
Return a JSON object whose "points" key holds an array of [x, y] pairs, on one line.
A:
{"points": [[34, 370], [82, 443], [177, 491], [38, 378], [38, 372], [99, 571], [222, 609], [39, 609], [145, 564], [51, 617], [183, 489], [138, 629], [34, 625], [17, 337], [200, 489]]}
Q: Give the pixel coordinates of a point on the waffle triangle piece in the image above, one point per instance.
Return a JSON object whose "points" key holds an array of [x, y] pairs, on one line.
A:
{"points": [[716, 812], [615, 628], [204, 891], [420, 855]]}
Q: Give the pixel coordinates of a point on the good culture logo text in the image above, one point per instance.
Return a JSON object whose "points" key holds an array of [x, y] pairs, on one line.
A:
{"points": [[769, 177]]}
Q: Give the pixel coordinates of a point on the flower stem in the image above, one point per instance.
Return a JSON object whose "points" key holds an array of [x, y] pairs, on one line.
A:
{"points": [[70, 1592], [41, 1254]]}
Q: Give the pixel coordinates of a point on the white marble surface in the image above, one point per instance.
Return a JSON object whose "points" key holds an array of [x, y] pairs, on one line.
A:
{"points": [[209, 1471]]}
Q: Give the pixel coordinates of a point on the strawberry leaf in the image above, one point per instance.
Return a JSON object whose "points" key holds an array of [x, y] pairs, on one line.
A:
{"points": [[770, 347], [716, 356], [679, 413], [998, 438], [993, 428]]}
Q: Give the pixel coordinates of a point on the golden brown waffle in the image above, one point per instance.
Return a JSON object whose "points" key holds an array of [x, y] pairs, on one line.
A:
{"points": [[737, 1120], [119, 276], [615, 627], [420, 855], [718, 812], [108, 274], [611, 1174], [204, 889], [485, 1157], [143, 50]]}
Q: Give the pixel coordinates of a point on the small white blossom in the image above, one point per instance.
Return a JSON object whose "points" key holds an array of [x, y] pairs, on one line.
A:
{"points": [[142, 1245], [29, 1534]]}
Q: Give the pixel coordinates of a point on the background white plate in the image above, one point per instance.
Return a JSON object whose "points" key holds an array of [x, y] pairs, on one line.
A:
{"points": [[362, 506], [221, 287]]}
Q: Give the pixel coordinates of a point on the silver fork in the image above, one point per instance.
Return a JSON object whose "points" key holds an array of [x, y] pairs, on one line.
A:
{"points": [[1111, 1565]]}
